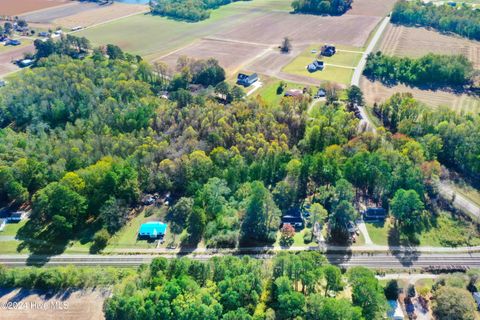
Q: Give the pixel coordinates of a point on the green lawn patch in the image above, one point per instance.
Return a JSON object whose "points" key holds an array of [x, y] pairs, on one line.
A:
{"points": [[11, 229], [268, 92], [340, 70], [444, 231], [127, 236], [10, 247], [334, 74], [379, 231]]}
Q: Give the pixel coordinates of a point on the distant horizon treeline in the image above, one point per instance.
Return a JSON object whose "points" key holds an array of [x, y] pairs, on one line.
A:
{"points": [[331, 7], [187, 10], [462, 20], [429, 70]]}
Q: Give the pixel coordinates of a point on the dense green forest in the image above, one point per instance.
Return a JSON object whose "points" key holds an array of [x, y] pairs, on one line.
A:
{"points": [[430, 70], [443, 133], [187, 10], [82, 140], [330, 7], [461, 19], [301, 286]]}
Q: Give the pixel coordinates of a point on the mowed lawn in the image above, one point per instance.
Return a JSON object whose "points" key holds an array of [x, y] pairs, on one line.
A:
{"points": [[127, 236], [268, 92], [155, 36], [339, 67]]}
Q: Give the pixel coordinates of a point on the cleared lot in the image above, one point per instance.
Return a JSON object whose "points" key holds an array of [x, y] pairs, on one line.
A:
{"points": [[414, 42], [231, 55], [50, 14], [272, 27], [99, 15], [17, 7], [371, 7], [6, 57], [377, 92], [37, 305]]}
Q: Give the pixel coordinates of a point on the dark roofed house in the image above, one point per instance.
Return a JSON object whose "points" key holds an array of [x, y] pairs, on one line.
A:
{"points": [[374, 214], [294, 217], [328, 50], [316, 65], [246, 80]]}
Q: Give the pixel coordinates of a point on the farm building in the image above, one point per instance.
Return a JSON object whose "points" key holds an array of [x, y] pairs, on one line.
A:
{"points": [[152, 230], [328, 50], [374, 214], [246, 80], [316, 65]]}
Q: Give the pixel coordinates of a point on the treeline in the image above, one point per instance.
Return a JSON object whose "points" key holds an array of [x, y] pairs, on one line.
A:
{"points": [[443, 133], [462, 19], [429, 70], [296, 286], [61, 278], [188, 10], [330, 7]]}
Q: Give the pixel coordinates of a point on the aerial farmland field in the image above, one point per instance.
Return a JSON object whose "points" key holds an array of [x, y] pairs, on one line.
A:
{"points": [[15, 8], [245, 36], [416, 42]]}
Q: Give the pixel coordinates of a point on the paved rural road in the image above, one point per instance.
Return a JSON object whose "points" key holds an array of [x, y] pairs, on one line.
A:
{"points": [[462, 203], [345, 260], [363, 61]]}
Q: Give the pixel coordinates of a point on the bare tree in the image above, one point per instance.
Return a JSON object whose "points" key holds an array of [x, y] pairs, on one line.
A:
{"points": [[286, 45]]}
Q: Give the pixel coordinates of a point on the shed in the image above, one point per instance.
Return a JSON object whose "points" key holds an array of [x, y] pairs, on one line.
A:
{"points": [[152, 230], [3, 223]]}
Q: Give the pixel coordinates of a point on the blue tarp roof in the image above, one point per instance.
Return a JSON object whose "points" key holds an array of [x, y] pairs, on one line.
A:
{"points": [[153, 228]]}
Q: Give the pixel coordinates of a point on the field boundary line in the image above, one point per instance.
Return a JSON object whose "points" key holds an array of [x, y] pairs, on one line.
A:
{"points": [[340, 66], [176, 50], [235, 41], [108, 21]]}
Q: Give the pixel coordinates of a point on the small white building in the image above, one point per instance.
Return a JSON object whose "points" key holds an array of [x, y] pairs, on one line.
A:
{"points": [[3, 223]]}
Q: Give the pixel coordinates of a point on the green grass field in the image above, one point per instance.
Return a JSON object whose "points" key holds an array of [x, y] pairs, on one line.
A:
{"points": [[445, 231], [11, 229], [127, 236], [268, 92], [154, 36]]}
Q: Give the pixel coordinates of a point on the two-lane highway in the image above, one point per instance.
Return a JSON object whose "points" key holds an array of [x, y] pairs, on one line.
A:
{"points": [[378, 260]]}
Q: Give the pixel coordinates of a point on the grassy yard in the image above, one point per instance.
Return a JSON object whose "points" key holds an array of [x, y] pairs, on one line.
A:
{"points": [[297, 239], [468, 192], [268, 92], [444, 231], [127, 236], [154, 36], [340, 70], [25, 43], [334, 74], [11, 229], [9, 247]]}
